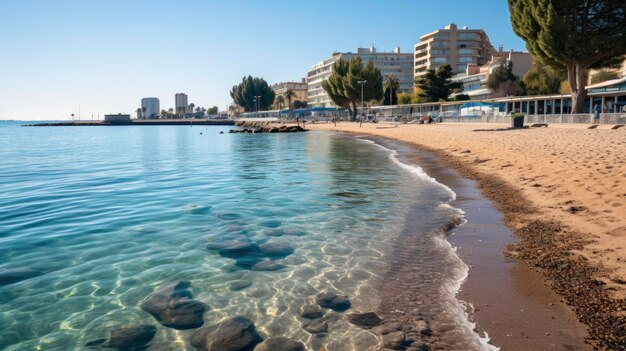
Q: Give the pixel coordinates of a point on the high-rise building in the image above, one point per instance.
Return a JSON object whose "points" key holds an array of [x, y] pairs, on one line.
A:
{"points": [[150, 107], [390, 63], [453, 46], [181, 104], [300, 88]]}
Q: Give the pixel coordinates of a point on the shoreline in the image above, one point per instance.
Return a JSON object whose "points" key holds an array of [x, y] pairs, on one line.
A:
{"points": [[552, 250], [501, 296]]}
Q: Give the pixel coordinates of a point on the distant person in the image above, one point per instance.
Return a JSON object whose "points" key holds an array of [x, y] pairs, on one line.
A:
{"points": [[335, 120], [596, 114], [298, 121], [303, 123]]}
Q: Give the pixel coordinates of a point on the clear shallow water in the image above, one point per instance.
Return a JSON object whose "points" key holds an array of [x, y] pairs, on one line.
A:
{"points": [[109, 214]]}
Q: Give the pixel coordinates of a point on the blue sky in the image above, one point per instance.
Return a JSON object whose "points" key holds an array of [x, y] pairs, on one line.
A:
{"points": [[104, 56]]}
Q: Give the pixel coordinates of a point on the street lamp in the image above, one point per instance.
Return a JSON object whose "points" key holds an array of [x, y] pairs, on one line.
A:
{"points": [[254, 108], [362, 82], [258, 101]]}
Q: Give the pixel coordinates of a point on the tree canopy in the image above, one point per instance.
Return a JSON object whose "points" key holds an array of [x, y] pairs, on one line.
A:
{"points": [[575, 35], [437, 85], [503, 82], [343, 86], [543, 79], [603, 76], [244, 93], [390, 95]]}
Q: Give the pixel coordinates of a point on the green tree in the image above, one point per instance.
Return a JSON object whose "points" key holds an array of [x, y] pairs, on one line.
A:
{"points": [[289, 95], [213, 110], [299, 104], [373, 89], [334, 85], [404, 99], [138, 111], [390, 95], [279, 102], [603, 76], [543, 79], [244, 93], [437, 85], [500, 75], [574, 35], [191, 106], [343, 85]]}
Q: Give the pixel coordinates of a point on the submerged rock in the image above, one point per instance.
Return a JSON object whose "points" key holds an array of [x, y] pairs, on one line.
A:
{"points": [[172, 305], [280, 343], [126, 338], [311, 311], [239, 285], [276, 249], [13, 275], [235, 334], [267, 266], [316, 327], [366, 320], [272, 223], [333, 301]]}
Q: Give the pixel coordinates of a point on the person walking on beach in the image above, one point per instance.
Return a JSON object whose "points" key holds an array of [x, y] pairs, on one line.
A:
{"points": [[298, 121], [596, 114]]}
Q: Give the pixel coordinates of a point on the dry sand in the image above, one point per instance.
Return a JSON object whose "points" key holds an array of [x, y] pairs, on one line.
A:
{"points": [[562, 190]]}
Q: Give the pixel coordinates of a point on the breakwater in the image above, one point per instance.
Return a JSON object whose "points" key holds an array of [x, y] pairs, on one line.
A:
{"points": [[137, 122]]}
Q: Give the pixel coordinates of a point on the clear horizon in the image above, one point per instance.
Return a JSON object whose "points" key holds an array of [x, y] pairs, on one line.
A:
{"points": [[105, 57]]}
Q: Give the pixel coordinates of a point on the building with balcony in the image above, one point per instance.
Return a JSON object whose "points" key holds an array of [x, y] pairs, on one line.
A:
{"points": [[300, 88], [475, 77], [453, 46], [181, 104], [390, 63], [150, 107]]}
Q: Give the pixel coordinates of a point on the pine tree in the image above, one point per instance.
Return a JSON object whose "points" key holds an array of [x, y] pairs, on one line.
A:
{"points": [[575, 35], [437, 85]]}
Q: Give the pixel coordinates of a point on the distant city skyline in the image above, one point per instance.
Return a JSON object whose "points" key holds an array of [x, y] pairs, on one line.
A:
{"points": [[106, 56]]}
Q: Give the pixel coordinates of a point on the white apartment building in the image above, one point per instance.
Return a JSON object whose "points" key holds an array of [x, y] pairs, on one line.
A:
{"points": [[390, 63], [453, 46], [151, 107], [181, 104]]}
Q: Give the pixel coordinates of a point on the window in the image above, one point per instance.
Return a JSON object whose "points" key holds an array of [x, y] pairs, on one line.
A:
{"points": [[439, 60], [461, 67], [441, 36], [465, 59], [440, 44], [468, 36], [438, 52], [466, 52]]}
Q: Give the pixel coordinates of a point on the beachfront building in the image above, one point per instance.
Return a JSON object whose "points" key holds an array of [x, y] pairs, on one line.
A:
{"points": [[300, 88], [150, 107], [453, 46], [475, 76], [181, 104], [393, 63]]}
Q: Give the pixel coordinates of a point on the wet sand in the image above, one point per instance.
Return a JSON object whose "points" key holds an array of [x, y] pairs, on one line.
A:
{"points": [[564, 200]]}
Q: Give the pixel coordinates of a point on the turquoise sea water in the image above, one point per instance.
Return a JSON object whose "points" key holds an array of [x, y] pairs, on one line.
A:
{"points": [[103, 216]]}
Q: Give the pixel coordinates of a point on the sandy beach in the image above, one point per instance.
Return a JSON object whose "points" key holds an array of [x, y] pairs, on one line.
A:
{"points": [[562, 191]]}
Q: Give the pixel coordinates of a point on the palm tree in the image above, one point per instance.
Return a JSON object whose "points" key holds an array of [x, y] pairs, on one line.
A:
{"points": [[191, 106], [279, 101], [392, 83], [290, 94]]}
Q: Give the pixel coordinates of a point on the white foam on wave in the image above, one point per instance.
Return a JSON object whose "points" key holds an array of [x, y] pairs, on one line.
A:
{"points": [[456, 306], [414, 169]]}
